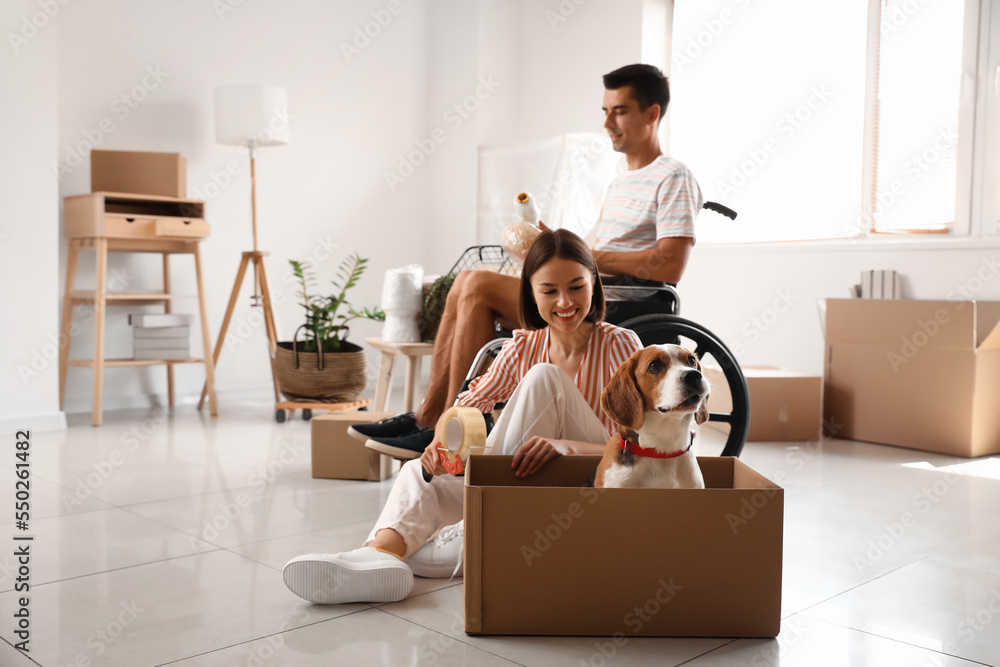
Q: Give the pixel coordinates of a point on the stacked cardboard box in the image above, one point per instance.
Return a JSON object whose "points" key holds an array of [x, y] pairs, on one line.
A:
{"points": [[161, 336]]}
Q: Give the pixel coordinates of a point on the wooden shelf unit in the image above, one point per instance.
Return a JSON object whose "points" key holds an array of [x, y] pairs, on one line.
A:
{"points": [[114, 222]]}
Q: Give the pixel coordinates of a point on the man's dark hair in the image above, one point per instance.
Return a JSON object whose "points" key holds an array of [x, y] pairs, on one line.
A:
{"points": [[649, 86], [564, 244]]}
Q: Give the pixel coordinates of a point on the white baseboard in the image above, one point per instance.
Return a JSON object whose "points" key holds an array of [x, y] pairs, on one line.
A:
{"points": [[52, 421]]}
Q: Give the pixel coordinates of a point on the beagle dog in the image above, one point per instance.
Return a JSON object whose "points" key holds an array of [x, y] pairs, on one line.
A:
{"points": [[654, 397]]}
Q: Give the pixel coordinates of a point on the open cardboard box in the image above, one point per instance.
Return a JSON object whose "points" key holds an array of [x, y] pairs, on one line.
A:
{"points": [[919, 374], [547, 556]]}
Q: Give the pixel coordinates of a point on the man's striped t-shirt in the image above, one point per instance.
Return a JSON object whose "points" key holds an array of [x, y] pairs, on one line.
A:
{"points": [[644, 205], [608, 347]]}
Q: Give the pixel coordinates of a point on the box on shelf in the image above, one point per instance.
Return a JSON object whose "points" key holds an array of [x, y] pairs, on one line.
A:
{"points": [[163, 353], [159, 320], [545, 555], [918, 374], [336, 455], [182, 331], [138, 172], [785, 406], [161, 344]]}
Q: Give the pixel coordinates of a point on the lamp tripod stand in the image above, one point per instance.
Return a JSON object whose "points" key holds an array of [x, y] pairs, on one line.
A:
{"points": [[261, 296]]}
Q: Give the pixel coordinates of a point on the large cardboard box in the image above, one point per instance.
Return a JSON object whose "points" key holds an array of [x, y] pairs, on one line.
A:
{"points": [[336, 455], [785, 405], [137, 172], [919, 374], [547, 556]]}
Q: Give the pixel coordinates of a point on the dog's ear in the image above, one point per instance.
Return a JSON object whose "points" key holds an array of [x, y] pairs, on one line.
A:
{"points": [[701, 416], [622, 400]]}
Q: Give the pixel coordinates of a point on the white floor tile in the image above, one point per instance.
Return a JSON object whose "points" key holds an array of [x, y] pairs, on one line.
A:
{"points": [[155, 613], [807, 642], [444, 612], [933, 605], [82, 544], [263, 511], [366, 638]]}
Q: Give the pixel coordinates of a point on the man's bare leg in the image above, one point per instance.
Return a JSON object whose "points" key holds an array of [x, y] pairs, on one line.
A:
{"points": [[476, 300]]}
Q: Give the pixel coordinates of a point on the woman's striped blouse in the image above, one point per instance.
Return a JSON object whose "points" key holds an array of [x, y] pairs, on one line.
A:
{"points": [[609, 346]]}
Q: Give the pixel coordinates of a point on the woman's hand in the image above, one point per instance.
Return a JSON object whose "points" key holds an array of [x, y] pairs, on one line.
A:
{"points": [[535, 453], [431, 458]]}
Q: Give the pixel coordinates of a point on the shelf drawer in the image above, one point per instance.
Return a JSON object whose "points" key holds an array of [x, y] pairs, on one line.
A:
{"points": [[181, 227], [129, 226]]}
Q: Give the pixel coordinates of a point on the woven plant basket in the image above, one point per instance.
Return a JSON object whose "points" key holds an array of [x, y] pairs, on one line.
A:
{"points": [[327, 377]]}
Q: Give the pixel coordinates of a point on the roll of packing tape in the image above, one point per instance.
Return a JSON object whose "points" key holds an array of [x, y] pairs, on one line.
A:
{"points": [[464, 434]]}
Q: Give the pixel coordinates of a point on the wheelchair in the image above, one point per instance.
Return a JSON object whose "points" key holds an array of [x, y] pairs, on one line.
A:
{"points": [[650, 309]]}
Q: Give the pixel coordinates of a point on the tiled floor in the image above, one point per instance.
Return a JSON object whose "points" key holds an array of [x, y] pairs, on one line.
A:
{"points": [[159, 539]]}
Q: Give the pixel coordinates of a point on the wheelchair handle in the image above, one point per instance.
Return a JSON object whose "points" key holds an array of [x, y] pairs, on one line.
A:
{"points": [[719, 208]]}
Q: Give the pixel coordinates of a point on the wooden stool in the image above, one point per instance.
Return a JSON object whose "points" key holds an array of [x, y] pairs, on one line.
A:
{"points": [[413, 352]]}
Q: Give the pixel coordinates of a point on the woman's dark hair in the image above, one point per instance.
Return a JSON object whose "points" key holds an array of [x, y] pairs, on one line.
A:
{"points": [[564, 244], [649, 86]]}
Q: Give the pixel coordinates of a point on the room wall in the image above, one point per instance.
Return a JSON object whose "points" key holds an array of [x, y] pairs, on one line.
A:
{"points": [[29, 260]]}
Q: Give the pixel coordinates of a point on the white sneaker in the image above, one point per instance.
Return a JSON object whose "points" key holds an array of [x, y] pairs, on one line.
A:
{"points": [[442, 556], [361, 575]]}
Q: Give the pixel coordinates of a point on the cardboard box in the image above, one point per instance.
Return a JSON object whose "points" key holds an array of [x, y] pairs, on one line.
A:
{"points": [[919, 374], [336, 455], [547, 556], [785, 406], [137, 172]]}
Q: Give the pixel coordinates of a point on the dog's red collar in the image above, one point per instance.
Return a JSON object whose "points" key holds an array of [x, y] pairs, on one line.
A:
{"points": [[639, 450]]}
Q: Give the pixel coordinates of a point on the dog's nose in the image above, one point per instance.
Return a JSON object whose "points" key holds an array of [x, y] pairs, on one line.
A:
{"points": [[692, 379]]}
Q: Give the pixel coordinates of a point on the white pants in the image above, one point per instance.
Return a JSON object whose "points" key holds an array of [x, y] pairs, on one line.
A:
{"points": [[545, 403]]}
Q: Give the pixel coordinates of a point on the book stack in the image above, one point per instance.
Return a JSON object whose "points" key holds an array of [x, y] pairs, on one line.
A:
{"points": [[161, 336]]}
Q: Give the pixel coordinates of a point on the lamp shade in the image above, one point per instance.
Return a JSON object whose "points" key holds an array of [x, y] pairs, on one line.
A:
{"points": [[254, 115]]}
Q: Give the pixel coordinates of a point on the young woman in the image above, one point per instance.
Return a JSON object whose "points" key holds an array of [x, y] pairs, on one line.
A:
{"points": [[551, 373]]}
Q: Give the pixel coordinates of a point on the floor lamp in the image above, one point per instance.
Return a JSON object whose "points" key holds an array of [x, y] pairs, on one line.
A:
{"points": [[251, 116]]}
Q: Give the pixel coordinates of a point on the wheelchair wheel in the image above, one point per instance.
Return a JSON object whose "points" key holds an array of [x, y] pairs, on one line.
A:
{"points": [[665, 329]]}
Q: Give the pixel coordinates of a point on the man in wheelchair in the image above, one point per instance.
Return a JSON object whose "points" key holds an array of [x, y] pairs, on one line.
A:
{"points": [[645, 231]]}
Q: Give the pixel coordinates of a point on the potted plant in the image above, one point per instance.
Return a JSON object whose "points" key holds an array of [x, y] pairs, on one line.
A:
{"points": [[323, 365]]}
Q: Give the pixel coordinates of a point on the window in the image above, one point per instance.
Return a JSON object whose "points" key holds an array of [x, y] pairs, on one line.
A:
{"points": [[824, 120]]}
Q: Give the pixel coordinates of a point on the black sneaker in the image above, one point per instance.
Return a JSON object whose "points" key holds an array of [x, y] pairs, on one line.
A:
{"points": [[393, 427], [404, 447]]}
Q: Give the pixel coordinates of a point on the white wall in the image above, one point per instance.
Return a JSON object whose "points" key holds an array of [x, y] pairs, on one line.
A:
{"points": [[29, 221]]}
